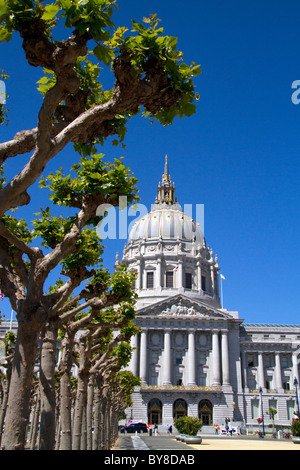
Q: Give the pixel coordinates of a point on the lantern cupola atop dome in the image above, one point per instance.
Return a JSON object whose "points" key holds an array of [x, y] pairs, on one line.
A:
{"points": [[166, 189]]}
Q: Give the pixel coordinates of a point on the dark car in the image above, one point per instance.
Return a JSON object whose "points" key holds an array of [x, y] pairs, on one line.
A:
{"points": [[132, 428]]}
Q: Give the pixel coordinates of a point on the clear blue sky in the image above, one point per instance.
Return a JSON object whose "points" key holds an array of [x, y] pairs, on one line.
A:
{"points": [[239, 155]]}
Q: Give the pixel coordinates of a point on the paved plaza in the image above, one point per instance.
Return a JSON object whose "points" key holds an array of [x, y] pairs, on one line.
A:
{"points": [[166, 443]]}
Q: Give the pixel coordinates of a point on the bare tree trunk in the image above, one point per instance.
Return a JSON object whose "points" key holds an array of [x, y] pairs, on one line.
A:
{"points": [[18, 406], [5, 388], [47, 382], [96, 436], [65, 393], [103, 426], [83, 437], [79, 408], [89, 418], [35, 421], [107, 426]]}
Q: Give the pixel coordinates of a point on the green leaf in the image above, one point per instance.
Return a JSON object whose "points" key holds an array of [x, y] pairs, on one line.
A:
{"points": [[5, 35], [50, 12], [104, 54], [3, 8], [196, 71], [189, 109]]}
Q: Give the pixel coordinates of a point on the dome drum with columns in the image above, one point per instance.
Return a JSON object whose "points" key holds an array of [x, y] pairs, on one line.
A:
{"points": [[194, 357]]}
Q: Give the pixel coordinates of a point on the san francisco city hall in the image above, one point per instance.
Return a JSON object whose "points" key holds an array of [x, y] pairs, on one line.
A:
{"points": [[194, 357]]}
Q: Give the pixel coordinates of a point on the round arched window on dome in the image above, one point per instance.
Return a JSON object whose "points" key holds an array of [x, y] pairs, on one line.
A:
{"points": [[155, 411]]}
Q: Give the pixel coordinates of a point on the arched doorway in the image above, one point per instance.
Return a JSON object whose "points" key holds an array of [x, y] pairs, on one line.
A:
{"points": [[155, 411], [205, 412], [179, 408]]}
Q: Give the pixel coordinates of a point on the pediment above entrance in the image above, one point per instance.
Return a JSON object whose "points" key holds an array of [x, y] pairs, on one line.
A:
{"points": [[181, 306]]}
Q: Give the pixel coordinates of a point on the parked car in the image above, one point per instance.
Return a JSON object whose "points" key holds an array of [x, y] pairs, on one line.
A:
{"points": [[132, 428]]}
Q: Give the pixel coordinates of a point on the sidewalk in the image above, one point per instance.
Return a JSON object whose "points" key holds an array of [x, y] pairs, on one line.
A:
{"points": [[165, 442]]}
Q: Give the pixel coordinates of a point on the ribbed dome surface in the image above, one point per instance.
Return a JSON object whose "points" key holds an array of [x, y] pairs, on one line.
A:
{"points": [[166, 222]]}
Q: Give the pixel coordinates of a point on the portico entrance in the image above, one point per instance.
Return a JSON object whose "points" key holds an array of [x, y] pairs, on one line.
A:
{"points": [[155, 411], [179, 408], [205, 412]]}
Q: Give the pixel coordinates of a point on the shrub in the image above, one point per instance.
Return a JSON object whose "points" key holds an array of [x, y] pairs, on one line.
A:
{"points": [[295, 428], [188, 425]]}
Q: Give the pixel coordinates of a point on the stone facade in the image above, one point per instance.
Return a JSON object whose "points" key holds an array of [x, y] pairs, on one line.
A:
{"points": [[193, 356]]}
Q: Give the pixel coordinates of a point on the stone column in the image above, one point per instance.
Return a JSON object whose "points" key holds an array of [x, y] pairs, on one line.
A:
{"points": [[199, 276], [295, 366], [143, 357], [216, 358], [225, 358], [167, 373], [245, 369], [260, 371], [278, 377], [180, 275], [158, 274], [138, 277], [134, 362], [191, 358]]}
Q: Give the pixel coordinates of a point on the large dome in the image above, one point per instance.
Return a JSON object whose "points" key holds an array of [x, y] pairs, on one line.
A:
{"points": [[166, 250], [166, 222]]}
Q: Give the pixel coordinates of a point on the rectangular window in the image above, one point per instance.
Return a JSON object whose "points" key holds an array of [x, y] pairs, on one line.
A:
{"points": [[286, 384], [202, 380], [290, 409], [273, 404], [203, 283], [202, 358], [255, 411], [169, 279], [179, 359], [150, 280], [188, 280]]}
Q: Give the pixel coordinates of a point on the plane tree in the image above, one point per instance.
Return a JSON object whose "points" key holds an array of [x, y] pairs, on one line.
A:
{"points": [[71, 244], [150, 79]]}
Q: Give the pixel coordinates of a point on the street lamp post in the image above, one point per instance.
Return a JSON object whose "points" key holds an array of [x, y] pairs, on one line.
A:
{"points": [[262, 410], [297, 398]]}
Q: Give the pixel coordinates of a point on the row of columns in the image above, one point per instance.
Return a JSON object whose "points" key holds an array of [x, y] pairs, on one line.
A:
{"points": [[220, 358], [277, 370], [212, 283]]}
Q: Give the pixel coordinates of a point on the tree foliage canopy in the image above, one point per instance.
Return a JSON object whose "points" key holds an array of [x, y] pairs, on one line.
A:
{"points": [[150, 79]]}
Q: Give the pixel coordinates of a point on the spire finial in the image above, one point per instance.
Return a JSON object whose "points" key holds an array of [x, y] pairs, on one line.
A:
{"points": [[166, 176], [166, 190]]}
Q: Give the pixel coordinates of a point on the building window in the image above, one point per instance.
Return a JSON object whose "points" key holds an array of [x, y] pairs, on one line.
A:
{"points": [[290, 409], [269, 383], [169, 279], [286, 384], [188, 280], [284, 361], [150, 280], [202, 380], [251, 382], [179, 359], [202, 358], [273, 405], [203, 283], [255, 411], [268, 360]]}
